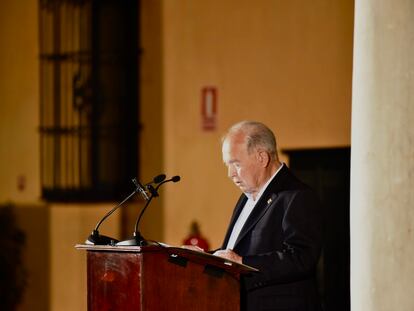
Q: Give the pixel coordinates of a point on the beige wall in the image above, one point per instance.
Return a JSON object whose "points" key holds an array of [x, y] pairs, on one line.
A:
{"points": [[286, 63], [151, 113], [19, 97]]}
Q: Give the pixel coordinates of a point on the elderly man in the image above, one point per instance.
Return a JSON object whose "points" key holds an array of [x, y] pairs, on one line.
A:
{"points": [[276, 225]]}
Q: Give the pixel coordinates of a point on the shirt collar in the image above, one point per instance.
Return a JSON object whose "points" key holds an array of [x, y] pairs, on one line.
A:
{"points": [[259, 194]]}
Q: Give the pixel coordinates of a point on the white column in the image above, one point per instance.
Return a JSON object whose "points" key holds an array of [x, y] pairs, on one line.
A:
{"points": [[382, 161]]}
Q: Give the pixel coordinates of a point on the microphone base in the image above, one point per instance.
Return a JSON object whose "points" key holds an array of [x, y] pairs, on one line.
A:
{"points": [[136, 240], [97, 239]]}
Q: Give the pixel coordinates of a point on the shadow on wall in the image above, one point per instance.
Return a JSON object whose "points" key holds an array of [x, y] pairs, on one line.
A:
{"points": [[13, 274]]}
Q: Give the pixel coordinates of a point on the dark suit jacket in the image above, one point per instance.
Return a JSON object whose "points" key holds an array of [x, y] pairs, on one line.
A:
{"points": [[282, 238]]}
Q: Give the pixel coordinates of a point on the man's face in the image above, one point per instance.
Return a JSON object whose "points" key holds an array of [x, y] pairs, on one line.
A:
{"points": [[243, 168]]}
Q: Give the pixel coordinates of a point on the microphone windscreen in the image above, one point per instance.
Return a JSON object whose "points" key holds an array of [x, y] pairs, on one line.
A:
{"points": [[176, 178], [159, 178]]}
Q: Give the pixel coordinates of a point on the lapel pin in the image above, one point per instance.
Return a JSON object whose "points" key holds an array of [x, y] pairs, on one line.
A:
{"points": [[269, 201]]}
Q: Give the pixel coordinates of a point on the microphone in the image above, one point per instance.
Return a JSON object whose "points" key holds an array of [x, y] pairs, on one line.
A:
{"points": [[95, 238], [173, 179], [137, 238], [157, 179]]}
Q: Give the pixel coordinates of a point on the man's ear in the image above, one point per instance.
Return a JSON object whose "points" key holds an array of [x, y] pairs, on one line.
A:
{"points": [[263, 157]]}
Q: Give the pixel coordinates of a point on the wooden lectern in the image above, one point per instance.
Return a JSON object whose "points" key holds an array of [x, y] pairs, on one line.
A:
{"points": [[134, 278]]}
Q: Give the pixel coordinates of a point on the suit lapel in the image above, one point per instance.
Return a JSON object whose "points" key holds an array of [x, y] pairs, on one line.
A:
{"points": [[258, 211], [266, 200]]}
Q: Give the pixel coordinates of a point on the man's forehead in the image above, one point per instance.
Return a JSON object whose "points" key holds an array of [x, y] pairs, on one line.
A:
{"points": [[225, 151], [232, 149], [231, 146], [234, 139]]}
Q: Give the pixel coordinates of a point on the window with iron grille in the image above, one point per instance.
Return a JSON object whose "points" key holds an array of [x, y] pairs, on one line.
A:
{"points": [[89, 98]]}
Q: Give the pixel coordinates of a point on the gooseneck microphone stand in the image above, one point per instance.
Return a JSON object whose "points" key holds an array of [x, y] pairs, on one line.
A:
{"points": [[137, 239], [97, 239]]}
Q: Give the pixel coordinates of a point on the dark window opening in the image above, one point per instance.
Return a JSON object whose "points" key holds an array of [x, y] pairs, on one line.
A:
{"points": [[89, 98], [327, 171]]}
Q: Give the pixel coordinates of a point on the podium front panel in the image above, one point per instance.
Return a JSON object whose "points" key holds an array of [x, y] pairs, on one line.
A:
{"points": [[176, 284], [158, 279]]}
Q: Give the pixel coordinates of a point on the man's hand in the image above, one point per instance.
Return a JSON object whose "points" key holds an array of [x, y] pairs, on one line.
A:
{"points": [[229, 254]]}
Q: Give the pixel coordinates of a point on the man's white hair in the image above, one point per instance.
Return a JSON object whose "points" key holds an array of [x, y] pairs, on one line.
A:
{"points": [[257, 135]]}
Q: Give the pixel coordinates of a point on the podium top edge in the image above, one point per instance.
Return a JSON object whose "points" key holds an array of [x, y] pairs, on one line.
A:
{"points": [[224, 263], [109, 248]]}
